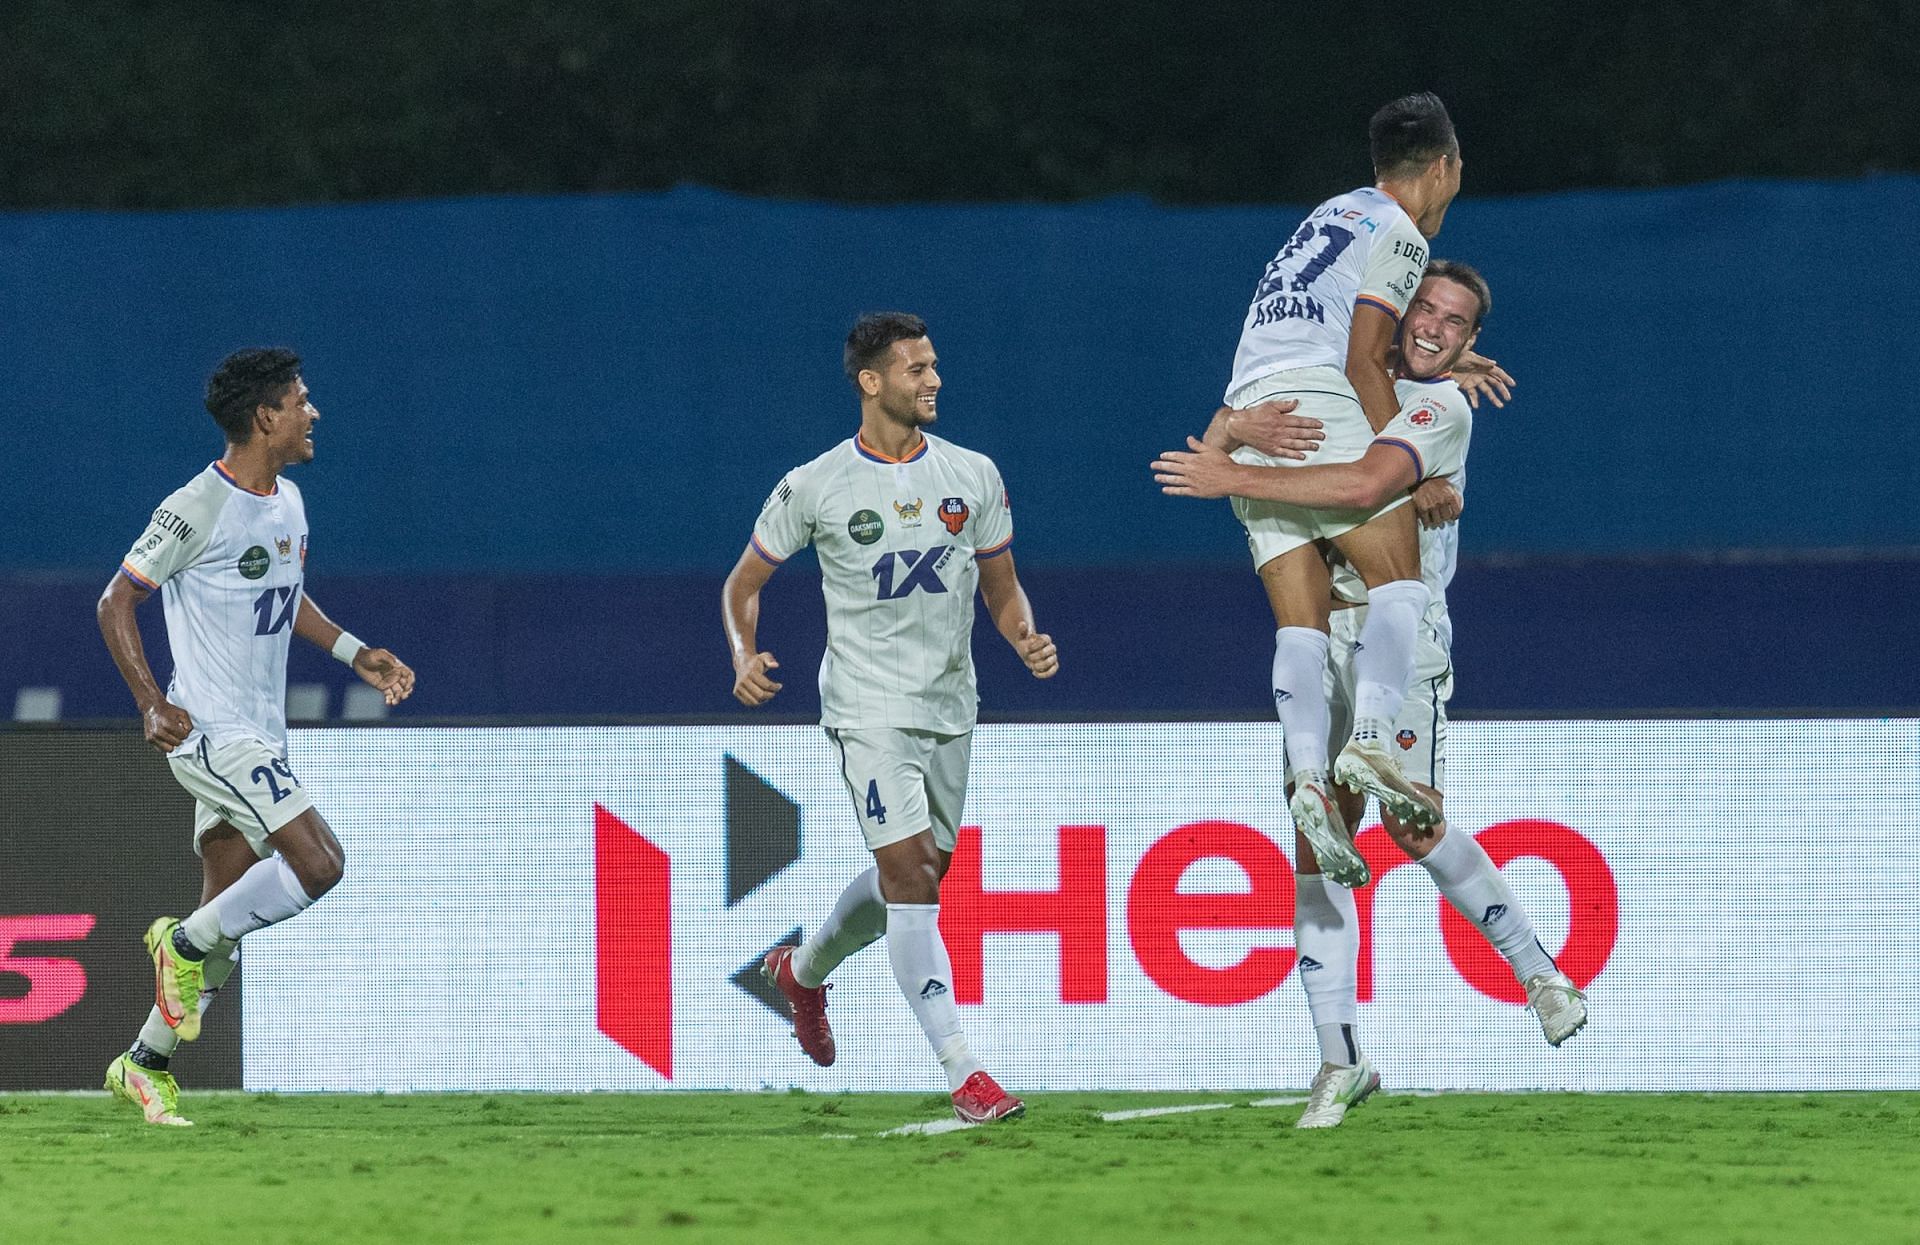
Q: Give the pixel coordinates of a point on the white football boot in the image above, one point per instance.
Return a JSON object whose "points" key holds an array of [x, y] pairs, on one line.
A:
{"points": [[1366, 765], [1559, 1005], [1318, 820], [1335, 1090]]}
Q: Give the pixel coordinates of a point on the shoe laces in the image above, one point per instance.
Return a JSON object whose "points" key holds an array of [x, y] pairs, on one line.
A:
{"points": [[1325, 1087]]}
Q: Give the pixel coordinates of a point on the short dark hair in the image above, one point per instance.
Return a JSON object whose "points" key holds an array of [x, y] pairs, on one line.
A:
{"points": [[1409, 134], [1467, 275], [247, 379], [871, 336]]}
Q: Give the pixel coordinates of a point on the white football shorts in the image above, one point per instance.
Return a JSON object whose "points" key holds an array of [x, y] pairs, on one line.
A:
{"points": [[904, 781], [1420, 732], [1323, 393], [243, 783]]}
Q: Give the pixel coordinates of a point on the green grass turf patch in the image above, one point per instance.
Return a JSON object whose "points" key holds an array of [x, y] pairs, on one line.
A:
{"points": [[265, 1169]]}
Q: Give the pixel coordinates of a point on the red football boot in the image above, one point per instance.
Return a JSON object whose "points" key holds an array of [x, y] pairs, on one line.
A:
{"points": [[808, 1007], [981, 1101]]}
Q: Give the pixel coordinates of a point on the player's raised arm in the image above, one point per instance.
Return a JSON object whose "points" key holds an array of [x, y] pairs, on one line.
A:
{"points": [[1012, 615], [1386, 470], [166, 725], [740, 611], [376, 667]]}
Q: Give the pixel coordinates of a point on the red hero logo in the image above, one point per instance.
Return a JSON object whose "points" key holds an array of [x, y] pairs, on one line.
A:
{"points": [[53, 986], [634, 920]]}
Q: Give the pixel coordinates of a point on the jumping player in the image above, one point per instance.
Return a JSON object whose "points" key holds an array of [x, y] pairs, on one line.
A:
{"points": [[1318, 331], [905, 525], [1426, 442], [228, 554]]}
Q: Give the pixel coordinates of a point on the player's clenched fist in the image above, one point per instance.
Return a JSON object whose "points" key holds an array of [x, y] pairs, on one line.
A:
{"points": [[751, 683], [1038, 652], [167, 725]]}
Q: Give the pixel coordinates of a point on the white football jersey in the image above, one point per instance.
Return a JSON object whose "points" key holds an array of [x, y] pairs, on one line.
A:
{"points": [[898, 543], [1434, 425], [228, 563], [1359, 247]]}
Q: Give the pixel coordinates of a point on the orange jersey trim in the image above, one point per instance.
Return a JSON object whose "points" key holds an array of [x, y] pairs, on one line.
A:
{"points": [[860, 443], [228, 477], [1381, 303], [761, 549], [137, 577], [994, 552]]}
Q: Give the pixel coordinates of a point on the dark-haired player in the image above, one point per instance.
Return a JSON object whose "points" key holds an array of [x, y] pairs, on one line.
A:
{"points": [[1322, 320], [228, 553], [905, 525], [1427, 441]]}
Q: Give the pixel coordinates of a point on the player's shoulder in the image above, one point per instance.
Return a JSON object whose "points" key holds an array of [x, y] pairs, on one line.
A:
{"points": [[200, 499], [962, 457]]}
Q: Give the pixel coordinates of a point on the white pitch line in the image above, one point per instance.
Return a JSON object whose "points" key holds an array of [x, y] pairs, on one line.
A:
{"points": [[1292, 1101], [1143, 1112], [927, 1129]]}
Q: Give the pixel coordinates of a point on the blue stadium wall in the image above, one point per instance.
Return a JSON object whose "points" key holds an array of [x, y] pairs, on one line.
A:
{"points": [[548, 424]]}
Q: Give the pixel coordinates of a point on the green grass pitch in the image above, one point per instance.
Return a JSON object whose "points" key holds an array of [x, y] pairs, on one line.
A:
{"points": [[266, 1169]]}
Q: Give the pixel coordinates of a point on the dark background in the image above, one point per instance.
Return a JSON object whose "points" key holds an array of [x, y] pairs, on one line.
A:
{"points": [[93, 822], [556, 391], [179, 103]]}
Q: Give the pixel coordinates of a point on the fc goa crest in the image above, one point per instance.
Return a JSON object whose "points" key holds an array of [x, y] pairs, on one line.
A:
{"points": [[954, 513]]}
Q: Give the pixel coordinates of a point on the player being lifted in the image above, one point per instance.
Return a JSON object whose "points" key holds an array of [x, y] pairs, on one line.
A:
{"points": [[905, 524], [228, 553], [1427, 441], [1318, 332]]}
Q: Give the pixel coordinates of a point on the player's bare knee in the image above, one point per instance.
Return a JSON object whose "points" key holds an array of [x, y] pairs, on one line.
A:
{"points": [[1417, 841], [910, 870]]}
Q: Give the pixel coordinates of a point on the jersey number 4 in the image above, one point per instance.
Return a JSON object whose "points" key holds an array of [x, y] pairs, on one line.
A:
{"points": [[273, 610], [918, 571]]}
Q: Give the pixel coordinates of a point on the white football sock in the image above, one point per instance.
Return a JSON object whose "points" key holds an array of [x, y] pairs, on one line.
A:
{"points": [[1383, 662], [1300, 695], [266, 894], [925, 975], [858, 920], [1326, 931], [1466, 875]]}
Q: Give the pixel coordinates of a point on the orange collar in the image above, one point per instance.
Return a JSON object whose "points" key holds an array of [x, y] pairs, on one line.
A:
{"points": [[867, 451]]}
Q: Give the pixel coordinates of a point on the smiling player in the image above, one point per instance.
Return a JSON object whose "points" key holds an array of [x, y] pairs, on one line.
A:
{"points": [[1427, 441], [228, 553], [905, 525]]}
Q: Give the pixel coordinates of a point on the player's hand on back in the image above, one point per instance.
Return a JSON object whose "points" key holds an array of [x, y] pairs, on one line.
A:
{"points": [[751, 683], [382, 670], [1273, 429], [1481, 377], [1038, 651], [1437, 503], [1197, 471], [167, 725]]}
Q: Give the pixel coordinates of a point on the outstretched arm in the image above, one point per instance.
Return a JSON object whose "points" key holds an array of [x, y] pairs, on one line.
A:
{"points": [[166, 725], [1013, 616], [740, 611], [377, 667], [1384, 472]]}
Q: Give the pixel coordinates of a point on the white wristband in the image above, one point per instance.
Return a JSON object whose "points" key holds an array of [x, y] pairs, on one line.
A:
{"points": [[347, 647]]}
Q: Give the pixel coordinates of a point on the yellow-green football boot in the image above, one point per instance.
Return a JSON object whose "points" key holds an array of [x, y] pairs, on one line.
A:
{"points": [[177, 981], [149, 1089]]}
